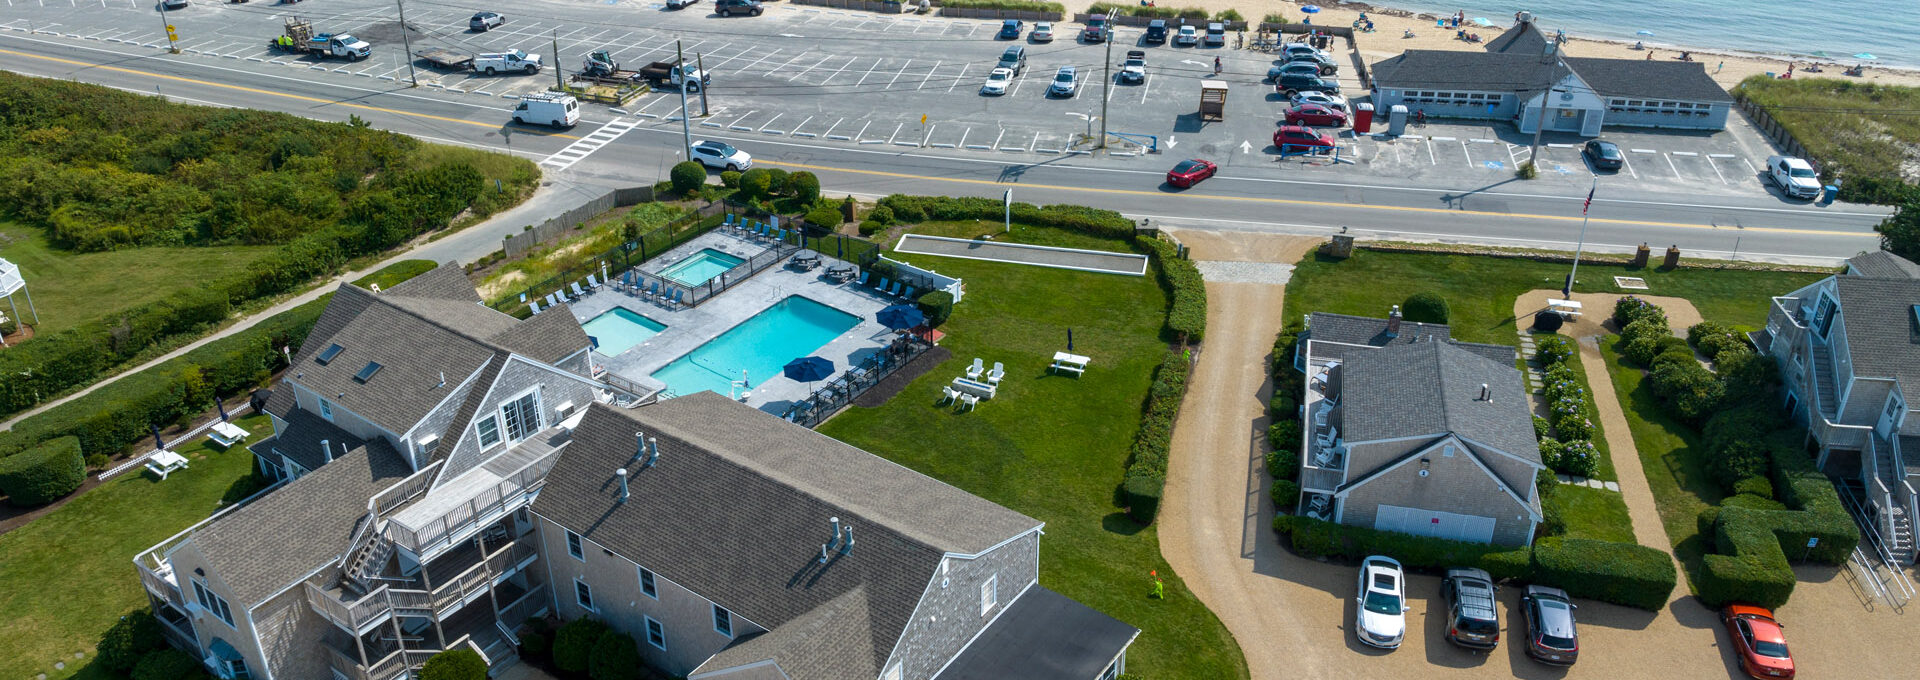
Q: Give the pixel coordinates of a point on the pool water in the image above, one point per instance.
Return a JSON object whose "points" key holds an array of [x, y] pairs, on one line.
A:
{"points": [[762, 346], [700, 267], [620, 329]]}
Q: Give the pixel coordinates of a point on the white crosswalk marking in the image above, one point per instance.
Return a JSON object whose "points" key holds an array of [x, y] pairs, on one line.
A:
{"points": [[585, 146]]}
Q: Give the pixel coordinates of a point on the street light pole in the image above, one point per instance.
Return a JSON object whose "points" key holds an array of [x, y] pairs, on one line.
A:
{"points": [[406, 44], [701, 68], [1104, 87], [1546, 98], [686, 128], [1567, 291]]}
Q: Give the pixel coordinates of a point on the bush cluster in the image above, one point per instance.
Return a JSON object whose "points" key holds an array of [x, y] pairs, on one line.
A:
{"points": [[1425, 307], [168, 664], [1753, 545], [42, 474], [615, 657], [1013, 5], [130, 639], [914, 209], [1286, 494], [1713, 337], [1570, 449], [687, 177], [454, 664], [1317, 538], [573, 644], [1187, 317], [1629, 309], [1621, 573], [1192, 14], [1146, 477], [1552, 350], [937, 306]]}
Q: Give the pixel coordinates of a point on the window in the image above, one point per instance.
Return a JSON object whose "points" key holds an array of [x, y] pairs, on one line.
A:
{"points": [[646, 584], [328, 354], [989, 594], [656, 634], [235, 669], [212, 602], [573, 547], [326, 409], [522, 416], [489, 431], [583, 594], [722, 621], [892, 673], [366, 372]]}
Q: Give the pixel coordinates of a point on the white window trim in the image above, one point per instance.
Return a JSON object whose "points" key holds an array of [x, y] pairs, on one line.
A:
{"points": [[577, 585], [480, 438], [717, 611], [650, 623], [989, 594], [326, 409], [893, 673], [644, 574], [540, 417], [573, 540], [201, 588]]}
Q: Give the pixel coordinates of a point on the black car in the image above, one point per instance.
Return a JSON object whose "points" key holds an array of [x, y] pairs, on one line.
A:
{"points": [[1156, 32], [1551, 637], [1327, 65], [1289, 83], [727, 8], [1473, 621], [1010, 29], [1603, 155]]}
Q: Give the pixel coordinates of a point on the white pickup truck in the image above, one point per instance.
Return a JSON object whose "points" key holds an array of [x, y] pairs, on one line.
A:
{"points": [[511, 60], [1795, 177]]}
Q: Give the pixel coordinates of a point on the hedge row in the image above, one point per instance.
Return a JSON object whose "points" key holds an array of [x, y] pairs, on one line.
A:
{"points": [[1146, 478], [1194, 14], [1570, 450], [1187, 318], [1754, 545], [1015, 5], [1620, 573], [1094, 221], [42, 474]]}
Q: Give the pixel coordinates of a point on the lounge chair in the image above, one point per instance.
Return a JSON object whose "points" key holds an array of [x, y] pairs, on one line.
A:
{"points": [[999, 371], [908, 293], [728, 223], [978, 367], [551, 301], [575, 287], [593, 283], [971, 402], [947, 394], [535, 305], [895, 290], [881, 285], [863, 277], [676, 297]]}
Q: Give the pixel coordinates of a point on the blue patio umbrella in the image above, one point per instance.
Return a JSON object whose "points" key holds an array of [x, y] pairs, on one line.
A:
{"points": [[222, 407], [1310, 9], [1069, 339], [808, 370], [900, 317], [158, 443]]}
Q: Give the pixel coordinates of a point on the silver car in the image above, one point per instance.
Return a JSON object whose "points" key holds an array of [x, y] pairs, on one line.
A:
{"points": [[1066, 82], [1380, 608]]}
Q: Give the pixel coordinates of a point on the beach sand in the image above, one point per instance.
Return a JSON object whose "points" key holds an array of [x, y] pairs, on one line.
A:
{"points": [[1727, 67]]}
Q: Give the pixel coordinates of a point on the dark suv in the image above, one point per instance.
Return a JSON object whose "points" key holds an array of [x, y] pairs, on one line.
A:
{"points": [[1289, 83], [1550, 633], [727, 8], [1156, 32], [1472, 619]]}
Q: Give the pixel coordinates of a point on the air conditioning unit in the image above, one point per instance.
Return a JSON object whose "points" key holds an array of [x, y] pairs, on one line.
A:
{"points": [[428, 444]]}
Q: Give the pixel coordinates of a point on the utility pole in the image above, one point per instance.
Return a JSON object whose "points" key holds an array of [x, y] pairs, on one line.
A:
{"points": [[558, 82], [171, 48], [701, 65], [1567, 292], [406, 44], [1103, 91], [1546, 98], [686, 128]]}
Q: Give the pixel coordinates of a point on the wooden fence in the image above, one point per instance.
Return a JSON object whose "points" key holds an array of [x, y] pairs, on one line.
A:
{"points": [[1782, 139], [862, 5], [554, 226]]}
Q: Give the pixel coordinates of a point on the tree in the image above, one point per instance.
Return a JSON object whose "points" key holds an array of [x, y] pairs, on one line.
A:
{"points": [[805, 186], [130, 638], [615, 657], [455, 664], [1900, 233], [755, 183], [573, 644], [687, 176], [1425, 307], [168, 664]]}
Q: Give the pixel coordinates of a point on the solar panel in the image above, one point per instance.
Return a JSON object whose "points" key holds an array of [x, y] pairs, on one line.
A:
{"points": [[367, 372], [328, 355]]}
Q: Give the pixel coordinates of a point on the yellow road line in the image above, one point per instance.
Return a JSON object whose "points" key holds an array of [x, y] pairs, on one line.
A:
{"points": [[271, 93], [1291, 201]]}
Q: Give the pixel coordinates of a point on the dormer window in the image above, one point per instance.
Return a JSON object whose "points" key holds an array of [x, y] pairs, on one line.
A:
{"points": [[328, 354]]}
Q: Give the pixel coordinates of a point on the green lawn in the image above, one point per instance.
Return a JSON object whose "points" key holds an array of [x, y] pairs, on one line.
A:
{"points": [[1593, 513], [72, 288], [1681, 484], [1055, 447], [65, 577]]}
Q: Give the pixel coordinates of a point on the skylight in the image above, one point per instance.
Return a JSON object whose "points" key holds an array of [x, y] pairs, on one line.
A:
{"points": [[366, 373], [328, 355]]}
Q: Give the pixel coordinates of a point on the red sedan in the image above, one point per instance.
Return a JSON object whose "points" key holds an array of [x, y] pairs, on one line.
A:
{"points": [[1316, 115], [1297, 138], [1758, 642], [1190, 172]]}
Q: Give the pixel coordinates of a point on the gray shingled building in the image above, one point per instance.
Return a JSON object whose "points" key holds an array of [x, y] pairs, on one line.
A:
{"points": [[1409, 430], [1505, 83], [1848, 349]]}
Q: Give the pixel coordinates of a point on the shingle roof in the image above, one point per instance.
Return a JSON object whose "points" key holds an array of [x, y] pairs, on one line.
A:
{"points": [[1366, 330], [847, 617], [1461, 70], [1881, 264], [300, 441], [1670, 80], [737, 508], [549, 336], [1043, 636], [274, 541], [1431, 388], [1523, 38], [1881, 337], [445, 282]]}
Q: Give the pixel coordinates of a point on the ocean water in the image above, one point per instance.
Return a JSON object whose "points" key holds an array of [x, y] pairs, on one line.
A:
{"points": [[1841, 28]]}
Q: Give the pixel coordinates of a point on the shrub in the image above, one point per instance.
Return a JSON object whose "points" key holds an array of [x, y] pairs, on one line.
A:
{"points": [[168, 664], [1754, 545], [756, 183], [1316, 538], [1900, 232], [1286, 495], [1230, 15], [1711, 337], [777, 181], [1746, 377], [1283, 407], [730, 179], [1142, 493], [1620, 573], [536, 646], [881, 214], [1541, 429], [1284, 434], [1425, 307], [1187, 317], [1274, 18], [454, 664], [615, 657], [1573, 427], [1629, 309], [130, 638], [1571, 457], [1147, 461], [1754, 486], [98, 461], [1552, 350], [1688, 388], [870, 227], [1641, 340], [573, 644], [805, 186], [1282, 464], [936, 305], [44, 473], [825, 217]]}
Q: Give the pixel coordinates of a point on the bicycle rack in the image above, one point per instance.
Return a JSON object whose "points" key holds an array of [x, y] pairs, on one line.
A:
{"points": [[1152, 141]]}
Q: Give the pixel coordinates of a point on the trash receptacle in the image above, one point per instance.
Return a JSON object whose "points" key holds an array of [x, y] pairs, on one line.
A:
{"points": [[1828, 193], [1363, 118], [1397, 120]]}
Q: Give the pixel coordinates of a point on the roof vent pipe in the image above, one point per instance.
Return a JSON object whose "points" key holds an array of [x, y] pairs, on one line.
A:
{"points": [[846, 546], [622, 474], [443, 379], [1393, 322], [326, 450], [1486, 393], [639, 445], [653, 445], [836, 531]]}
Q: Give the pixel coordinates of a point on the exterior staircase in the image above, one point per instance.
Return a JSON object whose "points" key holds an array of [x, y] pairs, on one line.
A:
{"points": [[1828, 398], [366, 565], [1901, 542]]}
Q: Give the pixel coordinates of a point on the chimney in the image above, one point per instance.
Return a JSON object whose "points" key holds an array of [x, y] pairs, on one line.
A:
{"points": [[1393, 322], [622, 474], [1486, 393], [1526, 17], [653, 444], [326, 450]]}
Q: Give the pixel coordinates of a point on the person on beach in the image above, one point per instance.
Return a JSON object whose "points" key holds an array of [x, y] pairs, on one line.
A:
{"points": [[1716, 69], [1649, 55], [1216, 66]]}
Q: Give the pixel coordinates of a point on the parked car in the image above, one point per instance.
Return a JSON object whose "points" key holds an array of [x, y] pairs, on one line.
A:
{"points": [[1604, 155], [680, 4], [1289, 83], [1216, 34], [1189, 172], [1065, 82], [1292, 51], [174, 4], [1010, 30], [1042, 32], [1331, 101], [1134, 69], [997, 82], [1014, 59], [547, 108], [1758, 641], [1095, 29], [722, 156], [1315, 115], [1473, 618], [1380, 609], [1156, 32], [727, 8], [1304, 68], [1187, 37], [1795, 176], [485, 21], [1327, 65], [1551, 637], [1290, 138]]}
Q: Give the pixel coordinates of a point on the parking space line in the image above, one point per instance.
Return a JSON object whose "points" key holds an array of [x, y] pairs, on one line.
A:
{"points": [[1430, 159], [798, 133], [829, 132], [735, 125], [1468, 154], [863, 78], [863, 131], [1676, 168], [1031, 142], [783, 66], [1146, 85], [990, 147], [764, 126], [756, 62], [896, 132], [1016, 82], [958, 78], [1716, 170], [923, 81], [963, 137], [837, 71], [1750, 169], [1628, 164], [809, 69], [897, 74]]}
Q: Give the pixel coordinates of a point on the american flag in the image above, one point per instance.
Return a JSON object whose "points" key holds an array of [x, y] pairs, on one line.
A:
{"points": [[1589, 203]]}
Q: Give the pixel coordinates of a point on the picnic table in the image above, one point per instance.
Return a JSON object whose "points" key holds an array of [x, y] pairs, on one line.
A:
{"points": [[163, 462], [1564, 307], [1063, 361], [974, 387], [228, 434]]}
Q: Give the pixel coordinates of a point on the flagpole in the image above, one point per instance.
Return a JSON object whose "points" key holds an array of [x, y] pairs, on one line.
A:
{"points": [[1567, 292]]}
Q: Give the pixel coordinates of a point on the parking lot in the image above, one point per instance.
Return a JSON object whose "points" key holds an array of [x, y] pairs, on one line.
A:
{"points": [[905, 83]]}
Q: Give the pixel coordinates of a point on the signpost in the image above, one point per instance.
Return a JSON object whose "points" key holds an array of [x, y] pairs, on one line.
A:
{"points": [[1006, 205]]}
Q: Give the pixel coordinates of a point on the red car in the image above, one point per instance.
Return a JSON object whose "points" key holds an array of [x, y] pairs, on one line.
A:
{"points": [[1316, 115], [1190, 172], [1758, 642], [1294, 137]]}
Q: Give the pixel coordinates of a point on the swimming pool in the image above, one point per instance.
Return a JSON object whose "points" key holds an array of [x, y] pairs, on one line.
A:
{"points": [[792, 328], [700, 267], [620, 329]]}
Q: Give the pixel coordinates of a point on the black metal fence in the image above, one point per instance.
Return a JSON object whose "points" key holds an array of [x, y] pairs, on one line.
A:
{"points": [[842, 390]]}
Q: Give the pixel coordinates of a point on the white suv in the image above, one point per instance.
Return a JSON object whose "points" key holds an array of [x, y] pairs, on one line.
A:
{"points": [[1795, 177], [1380, 614], [720, 155]]}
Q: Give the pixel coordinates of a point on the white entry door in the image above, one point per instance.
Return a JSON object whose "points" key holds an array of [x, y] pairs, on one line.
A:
{"points": [[1434, 524]]}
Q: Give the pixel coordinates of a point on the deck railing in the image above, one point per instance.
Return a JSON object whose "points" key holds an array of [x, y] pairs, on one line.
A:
{"points": [[844, 388], [477, 578], [527, 606], [510, 493]]}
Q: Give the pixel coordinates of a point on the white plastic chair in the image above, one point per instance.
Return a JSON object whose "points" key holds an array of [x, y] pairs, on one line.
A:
{"points": [[948, 395], [999, 371], [535, 305], [577, 293], [974, 371], [970, 401]]}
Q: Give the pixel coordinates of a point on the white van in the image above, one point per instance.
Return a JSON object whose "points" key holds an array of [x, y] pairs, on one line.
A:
{"points": [[548, 108]]}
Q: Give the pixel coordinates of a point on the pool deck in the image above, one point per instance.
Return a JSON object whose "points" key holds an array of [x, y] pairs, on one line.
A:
{"points": [[689, 328]]}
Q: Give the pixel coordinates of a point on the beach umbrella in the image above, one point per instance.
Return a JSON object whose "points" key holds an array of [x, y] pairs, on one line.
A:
{"points": [[1865, 55], [222, 407], [1310, 9], [1822, 54], [158, 443], [1483, 21], [1069, 339], [808, 370], [900, 317], [1644, 32]]}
